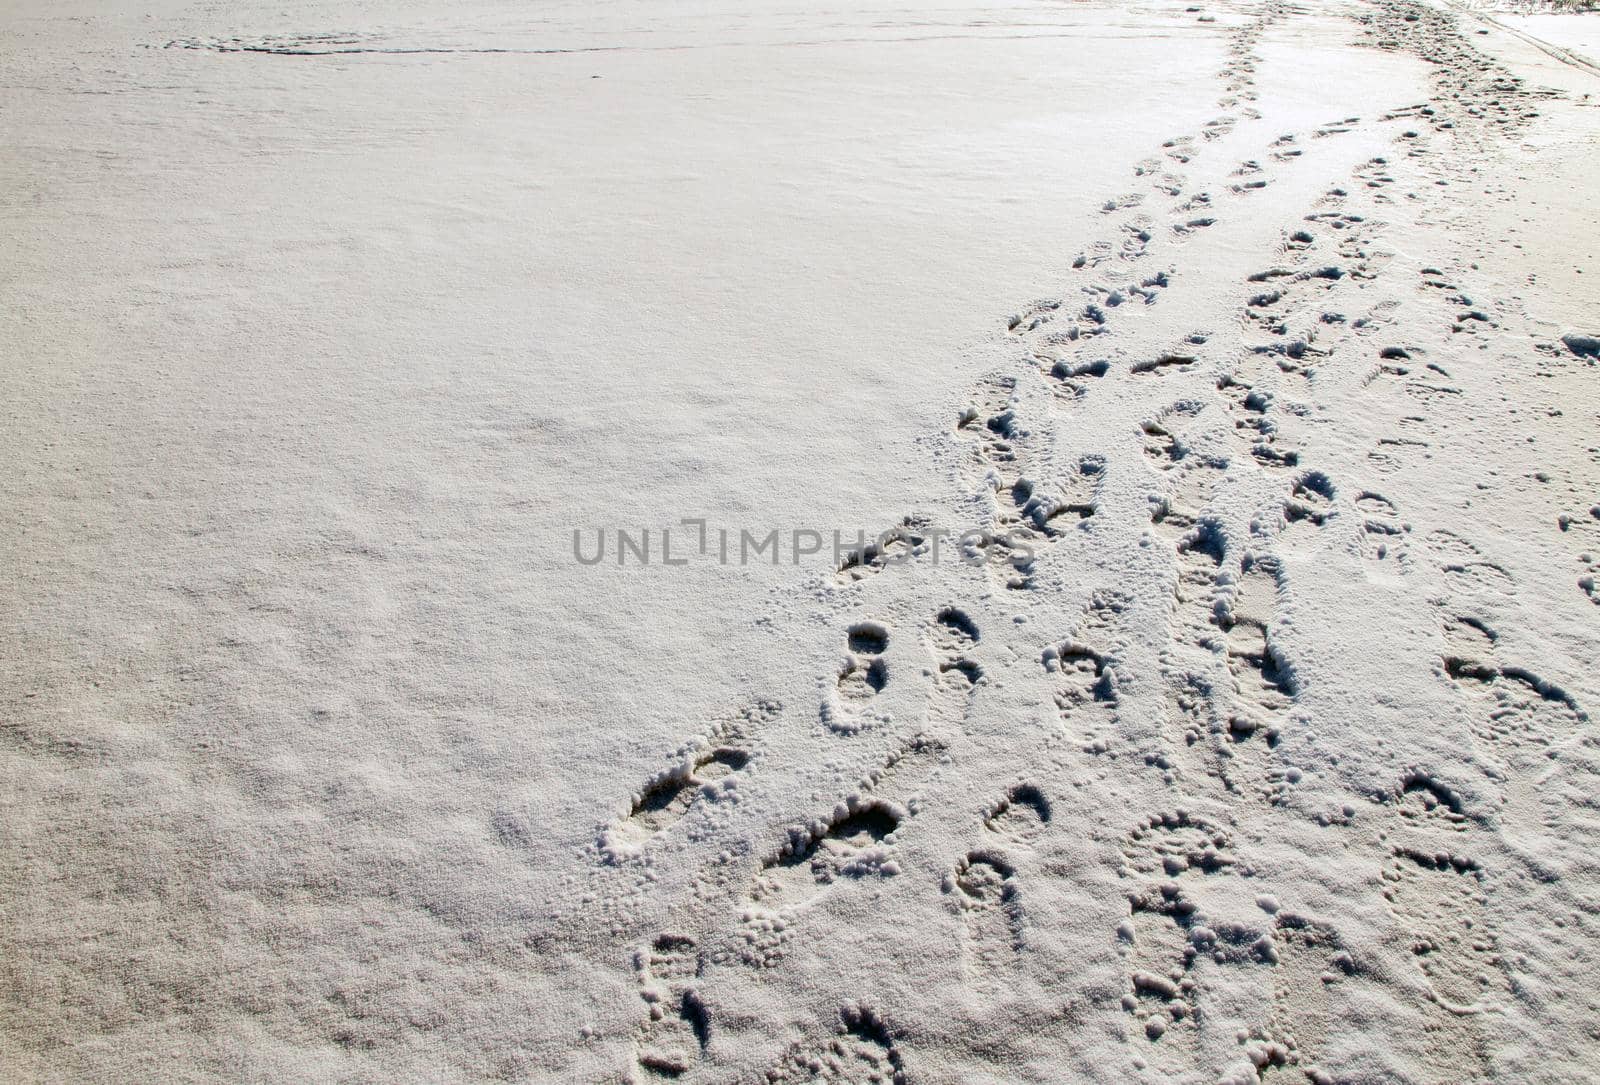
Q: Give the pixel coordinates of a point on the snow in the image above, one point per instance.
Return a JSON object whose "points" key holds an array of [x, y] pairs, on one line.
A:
{"points": [[329, 325]]}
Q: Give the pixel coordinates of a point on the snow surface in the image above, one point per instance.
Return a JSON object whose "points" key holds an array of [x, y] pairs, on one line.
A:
{"points": [[1250, 741]]}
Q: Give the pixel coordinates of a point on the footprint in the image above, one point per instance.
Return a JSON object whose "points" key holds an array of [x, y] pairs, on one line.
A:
{"points": [[1028, 513], [1168, 184], [1162, 363], [1033, 316], [983, 887], [1383, 533], [1464, 567], [678, 1030], [862, 676], [951, 639], [1432, 395], [1439, 901], [1191, 731], [1425, 804], [1439, 898], [863, 1052], [954, 632], [1449, 546], [1179, 914], [1217, 128], [1200, 556], [1084, 681], [701, 774], [1051, 513], [1533, 735], [1071, 378], [1309, 506], [1311, 961], [1375, 174], [1168, 844], [1250, 407], [1262, 686], [900, 544], [1136, 237], [1210, 745], [1095, 255], [1191, 225], [1336, 128], [1191, 487], [1010, 557], [1148, 290], [1083, 324], [1518, 713], [1290, 312], [1174, 930], [1005, 448], [1191, 478], [1161, 446], [1020, 817], [855, 843]]}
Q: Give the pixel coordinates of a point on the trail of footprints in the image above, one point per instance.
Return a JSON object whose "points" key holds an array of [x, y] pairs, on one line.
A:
{"points": [[1295, 321], [1195, 908], [1059, 335]]}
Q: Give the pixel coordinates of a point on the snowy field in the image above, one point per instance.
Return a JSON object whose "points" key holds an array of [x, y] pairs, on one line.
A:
{"points": [[926, 543]]}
